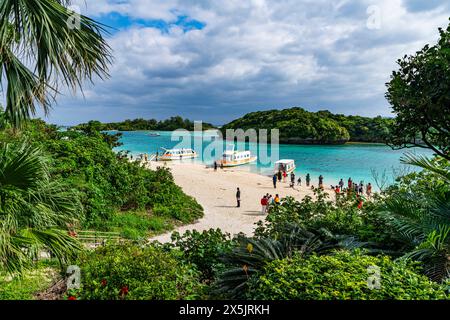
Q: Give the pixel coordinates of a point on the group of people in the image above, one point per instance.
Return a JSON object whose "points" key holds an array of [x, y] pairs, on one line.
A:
{"points": [[353, 187], [268, 200], [143, 157], [282, 176]]}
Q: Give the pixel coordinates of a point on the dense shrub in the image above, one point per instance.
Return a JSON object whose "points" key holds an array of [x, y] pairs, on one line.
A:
{"points": [[135, 272], [341, 276], [341, 216], [204, 249], [106, 181]]}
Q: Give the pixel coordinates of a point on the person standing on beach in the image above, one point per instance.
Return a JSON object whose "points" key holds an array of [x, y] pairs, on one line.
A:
{"points": [[321, 182], [269, 200], [284, 176], [299, 181], [341, 184], [293, 178], [350, 183], [238, 197], [215, 165], [277, 199], [279, 175], [264, 203], [369, 190], [308, 179], [274, 180]]}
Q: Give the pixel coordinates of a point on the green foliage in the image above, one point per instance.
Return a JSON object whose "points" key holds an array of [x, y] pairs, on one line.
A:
{"points": [[253, 254], [137, 225], [204, 249], [132, 272], [418, 93], [418, 211], [299, 126], [341, 216], [341, 276], [34, 209], [170, 124], [108, 184], [30, 282], [39, 53]]}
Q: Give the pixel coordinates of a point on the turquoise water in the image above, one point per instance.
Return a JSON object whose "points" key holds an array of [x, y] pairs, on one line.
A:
{"points": [[358, 161]]}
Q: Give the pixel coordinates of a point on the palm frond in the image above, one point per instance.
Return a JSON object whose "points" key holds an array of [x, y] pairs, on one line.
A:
{"points": [[34, 211], [38, 34], [426, 163]]}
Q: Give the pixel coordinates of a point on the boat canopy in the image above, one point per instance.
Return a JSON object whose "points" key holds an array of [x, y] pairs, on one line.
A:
{"points": [[285, 165]]}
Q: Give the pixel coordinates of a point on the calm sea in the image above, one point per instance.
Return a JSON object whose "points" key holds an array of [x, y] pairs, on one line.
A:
{"points": [[361, 162]]}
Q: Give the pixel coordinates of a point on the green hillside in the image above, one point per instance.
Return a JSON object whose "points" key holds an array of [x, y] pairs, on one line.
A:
{"points": [[298, 126]]}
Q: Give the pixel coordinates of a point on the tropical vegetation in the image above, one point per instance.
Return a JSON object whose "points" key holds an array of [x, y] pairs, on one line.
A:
{"points": [[54, 183], [418, 93], [173, 123], [44, 46], [298, 126]]}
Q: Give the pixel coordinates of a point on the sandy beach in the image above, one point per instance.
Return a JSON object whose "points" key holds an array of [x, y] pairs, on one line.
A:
{"points": [[216, 192]]}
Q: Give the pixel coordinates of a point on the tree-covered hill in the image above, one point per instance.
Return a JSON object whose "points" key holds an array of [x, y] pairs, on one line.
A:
{"points": [[298, 126], [170, 124]]}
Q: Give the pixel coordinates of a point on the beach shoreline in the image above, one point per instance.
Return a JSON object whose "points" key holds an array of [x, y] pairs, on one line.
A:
{"points": [[216, 192]]}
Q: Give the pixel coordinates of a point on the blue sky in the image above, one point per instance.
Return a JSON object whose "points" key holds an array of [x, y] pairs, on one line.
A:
{"points": [[217, 60]]}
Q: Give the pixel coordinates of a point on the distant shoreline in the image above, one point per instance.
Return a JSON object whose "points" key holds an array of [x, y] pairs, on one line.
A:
{"points": [[282, 142]]}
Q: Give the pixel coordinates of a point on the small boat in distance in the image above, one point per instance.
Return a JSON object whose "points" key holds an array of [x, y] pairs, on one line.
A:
{"points": [[232, 158], [154, 134], [287, 165], [177, 154]]}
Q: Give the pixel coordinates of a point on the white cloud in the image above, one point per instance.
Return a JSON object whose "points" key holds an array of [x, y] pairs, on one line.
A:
{"points": [[251, 55]]}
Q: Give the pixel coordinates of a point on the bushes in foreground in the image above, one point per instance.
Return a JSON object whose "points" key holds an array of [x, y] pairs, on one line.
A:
{"points": [[342, 276], [204, 249], [110, 188], [133, 272]]}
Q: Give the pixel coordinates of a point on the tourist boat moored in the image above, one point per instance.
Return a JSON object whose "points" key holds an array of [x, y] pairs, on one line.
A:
{"points": [[232, 158], [287, 165], [177, 154]]}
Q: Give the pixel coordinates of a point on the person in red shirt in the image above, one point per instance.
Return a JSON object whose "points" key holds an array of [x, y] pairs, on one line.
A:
{"points": [[264, 203]]}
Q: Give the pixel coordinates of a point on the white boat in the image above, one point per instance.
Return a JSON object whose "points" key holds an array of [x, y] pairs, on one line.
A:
{"points": [[287, 165], [177, 154], [232, 158], [154, 134]]}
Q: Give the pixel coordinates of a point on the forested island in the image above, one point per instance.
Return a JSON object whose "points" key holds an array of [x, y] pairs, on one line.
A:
{"points": [[173, 123], [298, 126]]}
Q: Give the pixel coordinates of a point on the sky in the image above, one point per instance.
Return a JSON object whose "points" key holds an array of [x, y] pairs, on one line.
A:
{"points": [[215, 61]]}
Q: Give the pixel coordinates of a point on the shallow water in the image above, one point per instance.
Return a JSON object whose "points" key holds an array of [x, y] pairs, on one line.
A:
{"points": [[358, 161]]}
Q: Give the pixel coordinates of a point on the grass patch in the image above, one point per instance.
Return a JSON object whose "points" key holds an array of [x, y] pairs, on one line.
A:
{"points": [[136, 225], [30, 283]]}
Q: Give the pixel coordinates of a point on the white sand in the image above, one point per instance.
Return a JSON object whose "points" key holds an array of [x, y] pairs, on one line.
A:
{"points": [[216, 192]]}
